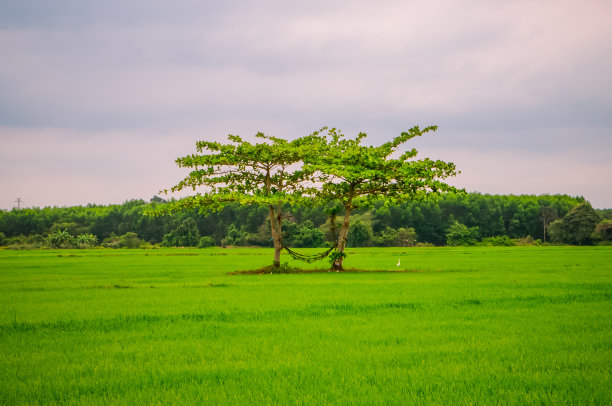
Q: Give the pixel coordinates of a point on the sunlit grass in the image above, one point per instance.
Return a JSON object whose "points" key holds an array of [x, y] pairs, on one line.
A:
{"points": [[518, 325]]}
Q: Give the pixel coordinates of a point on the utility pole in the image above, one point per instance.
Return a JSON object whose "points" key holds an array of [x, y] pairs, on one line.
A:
{"points": [[18, 201]]}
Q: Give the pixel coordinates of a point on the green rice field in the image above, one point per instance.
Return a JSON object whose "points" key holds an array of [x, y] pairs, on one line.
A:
{"points": [[449, 326]]}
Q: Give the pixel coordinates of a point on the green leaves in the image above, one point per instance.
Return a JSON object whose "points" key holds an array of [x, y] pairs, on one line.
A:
{"points": [[324, 166], [266, 173], [357, 175], [60, 239], [350, 170]]}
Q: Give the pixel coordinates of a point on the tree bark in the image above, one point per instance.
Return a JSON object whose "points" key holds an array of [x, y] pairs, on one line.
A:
{"points": [[342, 238], [275, 219]]}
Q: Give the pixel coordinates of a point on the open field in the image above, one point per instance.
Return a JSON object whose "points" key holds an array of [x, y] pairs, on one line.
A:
{"points": [[516, 325]]}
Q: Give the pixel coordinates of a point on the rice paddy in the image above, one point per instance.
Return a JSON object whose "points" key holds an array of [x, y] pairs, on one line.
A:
{"points": [[480, 325]]}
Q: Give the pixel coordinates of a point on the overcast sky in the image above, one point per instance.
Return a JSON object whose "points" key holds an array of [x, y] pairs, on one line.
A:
{"points": [[98, 98]]}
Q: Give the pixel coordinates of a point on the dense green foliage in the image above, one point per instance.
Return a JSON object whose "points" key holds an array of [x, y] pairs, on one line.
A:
{"points": [[355, 175], [324, 167], [307, 226], [517, 325], [460, 234], [185, 235], [578, 226], [268, 173], [603, 230]]}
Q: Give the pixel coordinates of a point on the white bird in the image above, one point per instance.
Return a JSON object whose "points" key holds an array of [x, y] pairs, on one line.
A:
{"points": [[398, 262]]}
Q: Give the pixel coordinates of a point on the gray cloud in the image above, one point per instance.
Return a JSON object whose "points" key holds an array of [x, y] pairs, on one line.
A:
{"points": [[522, 77]]}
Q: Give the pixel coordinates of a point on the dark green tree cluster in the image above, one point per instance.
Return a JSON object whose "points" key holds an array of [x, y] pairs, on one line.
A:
{"points": [[185, 235], [581, 226], [319, 190], [485, 216], [403, 224]]}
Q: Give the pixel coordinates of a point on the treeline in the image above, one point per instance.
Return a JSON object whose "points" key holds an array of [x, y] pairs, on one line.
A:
{"points": [[450, 219]]}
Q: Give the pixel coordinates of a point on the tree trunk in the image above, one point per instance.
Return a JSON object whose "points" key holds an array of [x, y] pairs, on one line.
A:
{"points": [[342, 237], [275, 229]]}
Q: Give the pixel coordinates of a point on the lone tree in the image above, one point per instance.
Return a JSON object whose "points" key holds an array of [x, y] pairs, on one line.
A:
{"points": [[267, 173], [356, 175]]}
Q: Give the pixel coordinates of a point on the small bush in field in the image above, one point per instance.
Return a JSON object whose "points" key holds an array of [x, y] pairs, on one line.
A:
{"points": [[498, 241], [206, 242]]}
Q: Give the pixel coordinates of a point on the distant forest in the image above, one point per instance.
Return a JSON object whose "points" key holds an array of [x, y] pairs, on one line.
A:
{"points": [[450, 219]]}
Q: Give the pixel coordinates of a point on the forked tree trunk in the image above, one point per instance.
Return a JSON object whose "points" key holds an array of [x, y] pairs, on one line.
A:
{"points": [[342, 238]]}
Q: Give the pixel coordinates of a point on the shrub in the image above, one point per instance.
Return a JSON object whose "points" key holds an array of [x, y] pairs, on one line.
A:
{"points": [[60, 239], [360, 234], [528, 241], [603, 231], [302, 235], [238, 237], [206, 242], [459, 234], [71, 227], [23, 242], [499, 241], [389, 237], [112, 242], [185, 235], [130, 240], [85, 240], [556, 232], [127, 240]]}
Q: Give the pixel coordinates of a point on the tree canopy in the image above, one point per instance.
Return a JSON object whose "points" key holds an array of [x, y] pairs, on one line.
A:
{"points": [[356, 175], [578, 227], [265, 173]]}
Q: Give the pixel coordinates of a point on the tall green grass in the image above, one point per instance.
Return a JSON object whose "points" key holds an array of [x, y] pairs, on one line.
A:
{"points": [[516, 325]]}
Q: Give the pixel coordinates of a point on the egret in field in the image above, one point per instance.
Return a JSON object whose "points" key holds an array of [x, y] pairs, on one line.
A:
{"points": [[399, 261]]}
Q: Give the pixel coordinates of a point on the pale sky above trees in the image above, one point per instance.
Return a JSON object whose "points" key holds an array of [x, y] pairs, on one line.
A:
{"points": [[97, 98]]}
